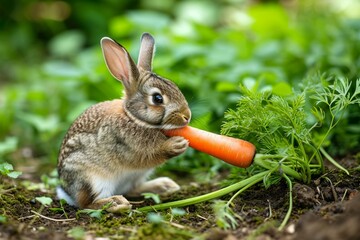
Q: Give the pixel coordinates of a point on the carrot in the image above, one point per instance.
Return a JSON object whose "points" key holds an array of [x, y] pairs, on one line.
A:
{"points": [[234, 151]]}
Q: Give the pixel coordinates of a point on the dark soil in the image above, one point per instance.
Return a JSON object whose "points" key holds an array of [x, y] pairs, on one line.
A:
{"points": [[328, 208]]}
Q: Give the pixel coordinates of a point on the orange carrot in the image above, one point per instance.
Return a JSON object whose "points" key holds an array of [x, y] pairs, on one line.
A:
{"points": [[234, 151]]}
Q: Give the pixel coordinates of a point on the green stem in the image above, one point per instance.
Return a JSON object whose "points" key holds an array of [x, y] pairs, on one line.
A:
{"points": [[323, 139], [205, 197], [261, 161], [332, 125], [288, 213], [244, 188], [318, 157], [333, 161]]}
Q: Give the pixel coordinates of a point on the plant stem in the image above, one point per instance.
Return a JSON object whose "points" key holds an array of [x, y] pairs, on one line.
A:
{"points": [[335, 163], [244, 188], [260, 160], [206, 197], [288, 213]]}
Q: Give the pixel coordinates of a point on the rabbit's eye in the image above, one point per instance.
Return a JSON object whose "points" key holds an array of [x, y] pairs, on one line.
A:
{"points": [[157, 98]]}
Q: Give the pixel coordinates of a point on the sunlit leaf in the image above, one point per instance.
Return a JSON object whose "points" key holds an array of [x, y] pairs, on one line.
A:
{"points": [[178, 211], [155, 197], [46, 201], [14, 174], [154, 218]]}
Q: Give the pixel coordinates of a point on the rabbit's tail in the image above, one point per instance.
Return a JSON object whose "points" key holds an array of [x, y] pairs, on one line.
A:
{"points": [[61, 194]]}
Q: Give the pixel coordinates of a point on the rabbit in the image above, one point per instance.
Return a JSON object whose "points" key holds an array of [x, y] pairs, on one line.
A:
{"points": [[111, 149]]}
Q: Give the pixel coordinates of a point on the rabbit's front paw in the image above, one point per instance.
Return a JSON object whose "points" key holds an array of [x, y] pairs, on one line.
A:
{"points": [[175, 146]]}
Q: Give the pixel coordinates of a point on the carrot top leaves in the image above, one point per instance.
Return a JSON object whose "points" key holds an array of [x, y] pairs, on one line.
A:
{"points": [[291, 133], [287, 129]]}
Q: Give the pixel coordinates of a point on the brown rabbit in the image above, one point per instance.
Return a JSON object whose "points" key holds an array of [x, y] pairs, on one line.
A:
{"points": [[110, 150]]}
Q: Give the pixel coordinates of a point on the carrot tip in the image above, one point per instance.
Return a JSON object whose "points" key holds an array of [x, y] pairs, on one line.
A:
{"points": [[234, 151]]}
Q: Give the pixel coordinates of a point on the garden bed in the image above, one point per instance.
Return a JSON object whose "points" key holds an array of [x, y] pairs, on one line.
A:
{"points": [[328, 208]]}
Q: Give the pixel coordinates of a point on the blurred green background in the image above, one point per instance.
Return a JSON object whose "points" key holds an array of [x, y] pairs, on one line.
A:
{"points": [[51, 67]]}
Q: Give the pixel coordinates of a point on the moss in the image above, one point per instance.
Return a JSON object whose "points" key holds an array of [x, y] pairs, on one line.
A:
{"points": [[13, 201]]}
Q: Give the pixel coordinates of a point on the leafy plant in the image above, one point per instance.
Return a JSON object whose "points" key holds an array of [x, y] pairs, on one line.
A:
{"points": [[225, 217], [7, 169], [8, 146], [177, 212], [94, 213], [61, 209], [154, 218], [155, 197], [45, 201]]}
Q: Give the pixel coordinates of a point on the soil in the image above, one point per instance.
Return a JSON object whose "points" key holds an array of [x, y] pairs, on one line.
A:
{"points": [[327, 208]]}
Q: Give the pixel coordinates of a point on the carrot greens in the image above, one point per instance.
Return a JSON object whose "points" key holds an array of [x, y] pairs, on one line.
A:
{"points": [[290, 133]]}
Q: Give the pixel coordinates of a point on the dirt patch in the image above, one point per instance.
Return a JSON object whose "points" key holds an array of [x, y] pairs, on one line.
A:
{"points": [[328, 208]]}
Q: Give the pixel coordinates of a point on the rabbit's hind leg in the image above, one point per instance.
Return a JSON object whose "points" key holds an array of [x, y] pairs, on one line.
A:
{"points": [[116, 204], [162, 186]]}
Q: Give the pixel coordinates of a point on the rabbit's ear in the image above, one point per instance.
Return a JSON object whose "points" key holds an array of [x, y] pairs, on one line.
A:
{"points": [[146, 52], [119, 63]]}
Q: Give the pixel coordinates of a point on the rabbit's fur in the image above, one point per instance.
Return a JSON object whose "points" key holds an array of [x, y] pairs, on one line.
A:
{"points": [[110, 150]]}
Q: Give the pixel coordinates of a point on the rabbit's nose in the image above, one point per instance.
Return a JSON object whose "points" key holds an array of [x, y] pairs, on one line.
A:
{"points": [[186, 119], [186, 115]]}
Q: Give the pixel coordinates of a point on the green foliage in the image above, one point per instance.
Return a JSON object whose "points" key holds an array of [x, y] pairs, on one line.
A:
{"points": [[45, 201], [60, 209], [177, 212], [155, 197], [94, 213], [6, 147], [225, 217], [272, 123], [286, 144], [7, 169], [155, 218], [279, 126]]}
